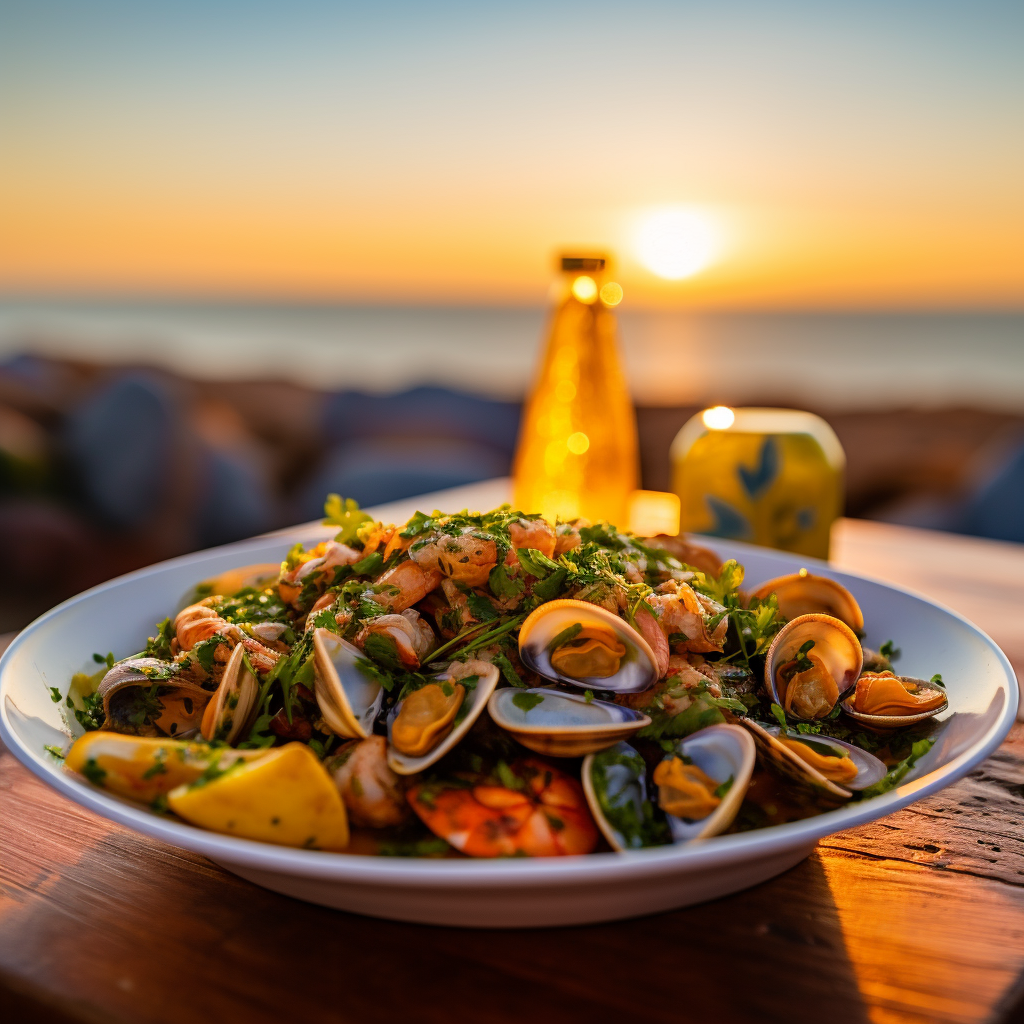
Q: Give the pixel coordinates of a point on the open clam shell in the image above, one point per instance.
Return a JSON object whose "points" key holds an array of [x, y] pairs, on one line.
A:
{"points": [[233, 702], [835, 644], [804, 593], [869, 768], [551, 627], [562, 724], [182, 704], [783, 761], [877, 721], [348, 698], [473, 705], [723, 753], [625, 786]]}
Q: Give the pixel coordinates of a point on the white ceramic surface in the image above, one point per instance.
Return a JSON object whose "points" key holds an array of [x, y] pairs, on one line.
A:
{"points": [[119, 615]]}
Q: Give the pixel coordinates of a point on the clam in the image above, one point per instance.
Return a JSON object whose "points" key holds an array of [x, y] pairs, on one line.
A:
{"points": [[724, 755], [562, 724], [888, 701], [804, 593], [814, 762], [348, 698], [171, 707], [706, 777], [811, 664], [233, 702], [615, 784], [430, 721], [586, 646]]}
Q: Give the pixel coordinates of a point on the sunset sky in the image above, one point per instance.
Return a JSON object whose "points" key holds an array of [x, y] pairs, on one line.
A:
{"points": [[791, 154]]}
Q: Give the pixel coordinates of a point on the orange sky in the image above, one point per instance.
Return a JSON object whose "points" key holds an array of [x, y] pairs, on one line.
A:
{"points": [[845, 159]]}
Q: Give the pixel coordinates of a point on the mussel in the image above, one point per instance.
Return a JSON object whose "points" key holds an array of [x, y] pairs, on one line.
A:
{"points": [[805, 593], [142, 697], [888, 701], [430, 721], [586, 646], [813, 661], [562, 724], [348, 698], [231, 706], [824, 766]]}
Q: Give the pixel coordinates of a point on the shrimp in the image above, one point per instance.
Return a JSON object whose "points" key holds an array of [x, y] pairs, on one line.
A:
{"points": [[404, 585], [530, 533], [567, 536], [648, 627], [324, 602], [408, 636], [324, 560], [199, 622], [546, 816], [464, 557], [374, 795], [682, 614], [673, 694]]}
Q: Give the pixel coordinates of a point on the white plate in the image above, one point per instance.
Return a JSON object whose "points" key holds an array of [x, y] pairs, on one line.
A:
{"points": [[119, 615]]}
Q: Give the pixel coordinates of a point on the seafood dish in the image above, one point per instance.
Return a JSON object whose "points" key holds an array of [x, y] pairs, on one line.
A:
{"points": [[496, 685]]}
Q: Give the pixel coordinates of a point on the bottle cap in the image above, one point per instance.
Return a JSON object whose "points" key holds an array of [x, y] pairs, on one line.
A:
{"points": [[583, 262]]}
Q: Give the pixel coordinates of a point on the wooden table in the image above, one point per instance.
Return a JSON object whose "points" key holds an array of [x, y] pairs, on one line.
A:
{"points": [[919, 917]]}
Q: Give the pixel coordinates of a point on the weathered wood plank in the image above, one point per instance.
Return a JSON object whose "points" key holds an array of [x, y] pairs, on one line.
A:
{"points": [[123, 928], [975, 827]]}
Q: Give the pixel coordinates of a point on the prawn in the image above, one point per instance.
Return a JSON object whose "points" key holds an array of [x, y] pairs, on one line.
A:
{"points": [[374, 795], [324, 560], [199, 622], [545, 816], [530, 533], [683, 614], [406, 634], [465, 557], [404, 585]]}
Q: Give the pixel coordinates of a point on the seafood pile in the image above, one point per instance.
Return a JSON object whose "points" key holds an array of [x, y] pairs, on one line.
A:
{"points": [[494, 685]]}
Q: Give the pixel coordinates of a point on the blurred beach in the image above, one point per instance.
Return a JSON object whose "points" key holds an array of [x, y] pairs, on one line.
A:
{"points": [[835, 360]]}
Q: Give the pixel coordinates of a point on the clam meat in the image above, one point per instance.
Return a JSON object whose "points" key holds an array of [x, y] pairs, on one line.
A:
{"points": [[431, 720], [887, 701], [588, 647], [813, 661], [701, 784]]}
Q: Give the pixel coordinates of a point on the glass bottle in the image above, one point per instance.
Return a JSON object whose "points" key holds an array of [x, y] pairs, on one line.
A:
{"points": [[577, 452]]}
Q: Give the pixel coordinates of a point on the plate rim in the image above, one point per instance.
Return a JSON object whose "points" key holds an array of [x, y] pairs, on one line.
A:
{"points": [[428, 873]]}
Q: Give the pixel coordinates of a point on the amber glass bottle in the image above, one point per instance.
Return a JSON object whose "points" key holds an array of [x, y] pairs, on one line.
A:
{"points": [[577, 453]]}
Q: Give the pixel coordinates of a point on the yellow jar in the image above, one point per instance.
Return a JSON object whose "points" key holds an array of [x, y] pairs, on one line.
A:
{"points": [[577, 453], [772, 477]]}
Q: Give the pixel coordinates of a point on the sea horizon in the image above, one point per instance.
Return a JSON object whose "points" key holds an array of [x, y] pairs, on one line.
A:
{"points": [[842, 359]]}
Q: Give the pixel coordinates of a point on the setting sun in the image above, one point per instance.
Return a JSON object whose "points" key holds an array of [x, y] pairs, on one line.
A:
{"points": [[677, 242]]}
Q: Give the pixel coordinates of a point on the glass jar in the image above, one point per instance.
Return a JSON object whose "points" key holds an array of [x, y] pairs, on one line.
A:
{"points": [[772, 477]]}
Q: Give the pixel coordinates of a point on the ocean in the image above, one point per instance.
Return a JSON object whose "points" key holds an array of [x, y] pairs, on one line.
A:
{"points": [[836, 360]]}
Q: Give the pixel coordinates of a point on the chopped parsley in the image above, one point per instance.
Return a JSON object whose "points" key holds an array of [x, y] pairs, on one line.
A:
{"points": [[527, 701]]}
